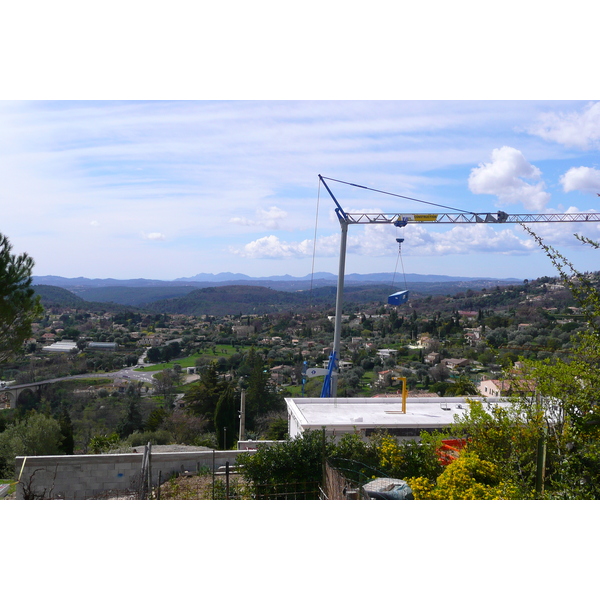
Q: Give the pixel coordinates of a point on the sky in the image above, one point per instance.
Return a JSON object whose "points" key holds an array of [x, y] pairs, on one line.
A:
{"points": [[164, 189], [164, 144]]}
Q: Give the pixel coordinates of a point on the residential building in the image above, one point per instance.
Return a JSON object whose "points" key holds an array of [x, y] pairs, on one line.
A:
{"points": [[455, 363], [433, 358], [366, 416], [495, 388]]}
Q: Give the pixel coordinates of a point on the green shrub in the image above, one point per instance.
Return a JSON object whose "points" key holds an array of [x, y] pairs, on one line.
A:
{"points": [[158, 438]]}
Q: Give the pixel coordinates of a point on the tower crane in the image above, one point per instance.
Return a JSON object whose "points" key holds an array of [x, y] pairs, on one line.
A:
{"points": [[457, 217]]}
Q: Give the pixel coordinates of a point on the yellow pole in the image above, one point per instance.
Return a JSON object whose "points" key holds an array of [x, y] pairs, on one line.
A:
{"points": [[404, 394]]}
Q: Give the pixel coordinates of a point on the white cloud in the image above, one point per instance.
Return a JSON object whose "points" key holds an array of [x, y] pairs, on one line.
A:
{"points": [[154, 237], [574, 129], [95, 224], [584, 179], [504, 178], [271, 246], [564, 233], [466, 239], [271, 218]]}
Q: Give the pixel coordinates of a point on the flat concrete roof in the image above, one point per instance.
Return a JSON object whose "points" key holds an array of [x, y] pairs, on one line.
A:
{"points": [[374, 413]]}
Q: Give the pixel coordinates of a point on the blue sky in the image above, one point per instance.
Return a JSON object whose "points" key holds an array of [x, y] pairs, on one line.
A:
{"points": [[168, 189]]}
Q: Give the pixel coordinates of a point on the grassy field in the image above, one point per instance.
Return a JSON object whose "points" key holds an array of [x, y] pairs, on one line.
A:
{"points": [[190, 361]]}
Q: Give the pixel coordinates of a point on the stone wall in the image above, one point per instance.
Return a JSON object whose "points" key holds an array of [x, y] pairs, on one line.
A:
{"points": [[94, 475]]}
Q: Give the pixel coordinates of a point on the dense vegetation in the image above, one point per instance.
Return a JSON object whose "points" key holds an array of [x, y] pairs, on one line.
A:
{"points": [[259, 340]]}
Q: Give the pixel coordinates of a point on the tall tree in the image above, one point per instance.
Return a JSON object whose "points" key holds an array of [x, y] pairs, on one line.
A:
{"points": [[66, 428], [201, 399], [19, 305], [227, 418], [165, 384], [261, 398], [132, 420]]}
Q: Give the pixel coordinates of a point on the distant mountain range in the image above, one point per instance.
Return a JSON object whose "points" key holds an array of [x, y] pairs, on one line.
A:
{"points": [[321, 275], [200, 280], [172, 296]]}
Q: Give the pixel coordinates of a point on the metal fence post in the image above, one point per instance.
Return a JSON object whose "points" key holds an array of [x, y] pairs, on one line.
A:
{"points": [[227, 480]]}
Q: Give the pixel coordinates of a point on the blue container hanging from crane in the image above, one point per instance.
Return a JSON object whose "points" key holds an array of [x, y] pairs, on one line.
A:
{"points": [[398, 298]]}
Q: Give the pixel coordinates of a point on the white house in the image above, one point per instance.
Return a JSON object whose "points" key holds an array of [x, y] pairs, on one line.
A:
{"points": [[387, 352], [368, 415], [495, 388]]}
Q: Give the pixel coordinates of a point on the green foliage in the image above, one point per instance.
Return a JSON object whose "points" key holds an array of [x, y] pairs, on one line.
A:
{"points": [[260, 396], [101, 444], [132, 420], [163, 354], [273, 469], [155, 419], [506, 437], [226, 418], [300, 460], [66, 428], [19, 305], [202, 398], [166, 383], [188, 429], [277, 429], [463, 386], [561, 423], [467, 478], [141, 438], [383, 452], [36, 435]]}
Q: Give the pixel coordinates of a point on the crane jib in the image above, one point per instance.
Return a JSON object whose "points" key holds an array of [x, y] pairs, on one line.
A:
{"points": [[401, 219]]}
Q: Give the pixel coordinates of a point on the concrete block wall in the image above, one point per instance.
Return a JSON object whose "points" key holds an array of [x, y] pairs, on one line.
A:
{"points": [[85, 476]]}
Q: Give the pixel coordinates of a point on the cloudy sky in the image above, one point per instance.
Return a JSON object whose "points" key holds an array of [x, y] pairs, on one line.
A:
{"points": [[168, 189]]}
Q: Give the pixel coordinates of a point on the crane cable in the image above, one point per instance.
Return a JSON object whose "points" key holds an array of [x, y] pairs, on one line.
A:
{"points": [[312, 272], [399, 258], [364, 187]]}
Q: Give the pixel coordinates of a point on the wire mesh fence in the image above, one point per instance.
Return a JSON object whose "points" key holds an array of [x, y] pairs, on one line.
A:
{"points": [[345, 479]]}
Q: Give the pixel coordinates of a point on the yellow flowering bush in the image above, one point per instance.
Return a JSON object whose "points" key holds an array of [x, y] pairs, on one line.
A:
{"points": [[422, 488], [390, 455], [409, 458], [467, 478]]}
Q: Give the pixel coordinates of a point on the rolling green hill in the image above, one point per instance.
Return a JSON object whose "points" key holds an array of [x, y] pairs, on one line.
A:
{"points": [[52, 296], [219, 299], [251, 299], [133, 296], [231, 300]]}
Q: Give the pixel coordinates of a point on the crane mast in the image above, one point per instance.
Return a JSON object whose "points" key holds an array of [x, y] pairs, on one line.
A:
{"points": [[398, 219]]}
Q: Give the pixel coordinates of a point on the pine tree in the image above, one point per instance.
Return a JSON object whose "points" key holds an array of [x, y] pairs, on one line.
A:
{"points": [[132, 421], [66, 429], [260, 396], [201, 400], [19, 306], [226, 419]]}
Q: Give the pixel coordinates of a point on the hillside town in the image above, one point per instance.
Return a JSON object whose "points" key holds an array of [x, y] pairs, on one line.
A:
{"points": [[474, 339]]}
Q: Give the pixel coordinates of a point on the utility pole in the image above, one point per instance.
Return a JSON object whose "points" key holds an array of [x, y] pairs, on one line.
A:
{"points": [[242, 416]]}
